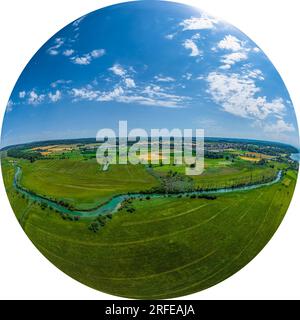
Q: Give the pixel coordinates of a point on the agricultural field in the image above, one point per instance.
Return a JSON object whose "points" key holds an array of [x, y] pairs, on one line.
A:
{"points": [[221, 173], [165, 238], [81, 183]]}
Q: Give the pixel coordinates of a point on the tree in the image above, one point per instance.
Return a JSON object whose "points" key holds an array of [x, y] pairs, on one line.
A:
{"points": [[94, 226]]}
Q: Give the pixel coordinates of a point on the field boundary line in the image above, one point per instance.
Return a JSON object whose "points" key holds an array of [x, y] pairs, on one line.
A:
{"points": [[166, 218], [133, 278], [246, 212], [120, 244], [220, 270]]}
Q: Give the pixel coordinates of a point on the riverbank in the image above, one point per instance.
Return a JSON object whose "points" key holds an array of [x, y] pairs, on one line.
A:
{"points": [[114, 203]]}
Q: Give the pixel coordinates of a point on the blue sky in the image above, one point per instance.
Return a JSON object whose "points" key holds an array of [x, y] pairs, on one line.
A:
{"points": [[157, 65]]}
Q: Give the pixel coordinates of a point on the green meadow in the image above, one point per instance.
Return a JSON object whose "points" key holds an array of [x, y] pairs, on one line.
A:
{"points": [[150, 247], [82, 183], [221, 173], [167, 247]]}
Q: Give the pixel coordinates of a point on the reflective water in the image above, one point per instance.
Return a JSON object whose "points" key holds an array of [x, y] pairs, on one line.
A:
{"points": [[113, 204]]}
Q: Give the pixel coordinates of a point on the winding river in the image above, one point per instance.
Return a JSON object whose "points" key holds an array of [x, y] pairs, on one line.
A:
{"points": [[114, 203]]}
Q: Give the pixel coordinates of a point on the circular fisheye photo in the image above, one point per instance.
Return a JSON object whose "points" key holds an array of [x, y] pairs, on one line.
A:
{"points": [[149, 150]]}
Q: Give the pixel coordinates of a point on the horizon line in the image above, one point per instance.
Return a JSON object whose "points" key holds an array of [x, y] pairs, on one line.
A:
{"points": [[86, 138]]}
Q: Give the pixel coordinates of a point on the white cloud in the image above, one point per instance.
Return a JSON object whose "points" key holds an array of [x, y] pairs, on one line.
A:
{"points": [[118, 70], [129, 83], [77, 22], [84, 60], [60, 82], [34, 98], [204, 22], [146, 101], [187, 76], [68, 52], [97, 53], [22, 94], [196, 36], [115, 94], [126, 90], [189, 44], [234, 57], [9, 106], [54, 97], [238, 95], [161, 78], [163, 97], [239, 51], [225, 66], [149, 95], [170, 36], [256, 49], [88, 57], [85, 94], [54, 50], [255, 74], [278, 127], [230, 43]]}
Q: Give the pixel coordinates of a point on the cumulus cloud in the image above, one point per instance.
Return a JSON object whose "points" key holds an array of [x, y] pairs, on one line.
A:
{"points": [[231, 58], [35, 98], [230, 43], [62, 45], [84, 60], [127, 91], [170, 36], [239, 95], [255, 74], [198, 23], [68, 52], [189, 44], [238, 51], [88, 57], [22, 94], [196, 36], [115, 94], [129, 83], [280, 126], [54, 50], [118, 70], [54, 97], [97, 53], [84, 94], [225, 67]]}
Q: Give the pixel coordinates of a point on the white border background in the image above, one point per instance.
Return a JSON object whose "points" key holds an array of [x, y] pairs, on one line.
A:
{"points": [[26, 24]]}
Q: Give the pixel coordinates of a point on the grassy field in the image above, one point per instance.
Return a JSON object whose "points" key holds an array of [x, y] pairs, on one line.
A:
{"points": [[81, 183], [168, 247], [221, 173]]}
